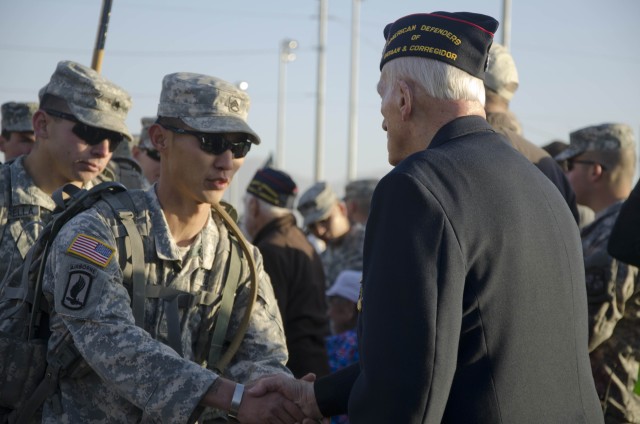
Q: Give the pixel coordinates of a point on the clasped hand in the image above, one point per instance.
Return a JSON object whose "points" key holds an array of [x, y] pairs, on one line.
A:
{"points": [[280, 399]]}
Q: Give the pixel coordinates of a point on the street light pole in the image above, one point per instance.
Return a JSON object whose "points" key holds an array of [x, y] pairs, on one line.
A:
{"points": [[285, 56], [352, 154], [322, 38]]}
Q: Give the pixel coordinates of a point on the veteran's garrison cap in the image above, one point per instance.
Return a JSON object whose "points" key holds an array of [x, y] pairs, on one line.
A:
{"points": [[461, 39], [274, 186]]}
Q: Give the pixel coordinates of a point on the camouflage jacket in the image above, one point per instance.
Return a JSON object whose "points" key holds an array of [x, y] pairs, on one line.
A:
{"points": [[136, 376], [25, 209], [614, 320], [345, 253]]}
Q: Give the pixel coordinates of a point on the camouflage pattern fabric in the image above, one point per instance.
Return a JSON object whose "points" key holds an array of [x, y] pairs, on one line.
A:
{"points": [[125, 171], [614, 321], [92, 99], [343, 254], [17, 116], [30, 210], [136, 376]]}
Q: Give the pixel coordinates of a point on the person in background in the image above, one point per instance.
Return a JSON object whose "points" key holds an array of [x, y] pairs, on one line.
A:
{"points": [[145, 154], [75, 137], [501, 82], [17, 137], [325, 216], [293, 265], [342, 345], [357, 198], [601, 161], [555, 147], [458, 320]]}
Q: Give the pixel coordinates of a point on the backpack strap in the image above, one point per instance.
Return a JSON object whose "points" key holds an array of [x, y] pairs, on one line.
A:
{"points": [[232, 280], [221, 364], [133, 249]]}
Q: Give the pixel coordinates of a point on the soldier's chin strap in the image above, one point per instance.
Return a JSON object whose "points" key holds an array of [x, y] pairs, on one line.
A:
{"points": [[224, 360]]}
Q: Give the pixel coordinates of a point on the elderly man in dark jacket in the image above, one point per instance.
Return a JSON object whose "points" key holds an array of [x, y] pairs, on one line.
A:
{"points": [[294, 266], [473, 305]]}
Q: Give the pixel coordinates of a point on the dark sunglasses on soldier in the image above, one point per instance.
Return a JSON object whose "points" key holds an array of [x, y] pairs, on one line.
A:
{"points": [[152, 154], [90, 135], [216, 143]]}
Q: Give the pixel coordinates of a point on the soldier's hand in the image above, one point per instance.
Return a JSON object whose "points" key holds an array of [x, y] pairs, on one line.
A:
{"points": [[298, 391], [272, 408]]}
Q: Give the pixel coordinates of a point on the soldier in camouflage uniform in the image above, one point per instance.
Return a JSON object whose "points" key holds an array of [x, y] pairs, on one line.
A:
{"points": [[325, 216], [600, 167], [357, 198], [202, 136], [17, 129], [80, 121], [145, 154], [124, 169]]}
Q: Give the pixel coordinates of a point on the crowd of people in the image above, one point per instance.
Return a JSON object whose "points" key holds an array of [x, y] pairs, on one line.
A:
{"points": [[483, 280]]}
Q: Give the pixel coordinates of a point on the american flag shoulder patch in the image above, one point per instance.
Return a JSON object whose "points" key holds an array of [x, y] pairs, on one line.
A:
{"points": [[91, 249]]}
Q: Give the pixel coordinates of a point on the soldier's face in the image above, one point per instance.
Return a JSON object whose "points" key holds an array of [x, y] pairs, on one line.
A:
{"points": [[73, 157], [200, 176], [19, 143]]}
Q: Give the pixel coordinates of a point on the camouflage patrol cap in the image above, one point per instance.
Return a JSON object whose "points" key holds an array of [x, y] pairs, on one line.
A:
{"points": [[206, 103], [92, 99], [501, 75], [145, 140], [358, 189], [316, 203], [17, 116], [598, 138]]}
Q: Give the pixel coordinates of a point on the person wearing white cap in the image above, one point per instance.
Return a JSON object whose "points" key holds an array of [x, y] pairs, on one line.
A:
{"points": [[500, 83], [342, 346]]}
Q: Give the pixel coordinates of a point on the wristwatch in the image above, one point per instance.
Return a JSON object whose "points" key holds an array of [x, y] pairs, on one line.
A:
{"points": [[235, 402]]}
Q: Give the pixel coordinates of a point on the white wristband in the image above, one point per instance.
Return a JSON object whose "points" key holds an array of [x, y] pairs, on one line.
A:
{"points": [[235, 401]]}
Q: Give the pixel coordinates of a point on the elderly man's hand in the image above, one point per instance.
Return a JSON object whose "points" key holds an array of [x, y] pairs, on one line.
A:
{"points": [[272, 408], [298, 391]]}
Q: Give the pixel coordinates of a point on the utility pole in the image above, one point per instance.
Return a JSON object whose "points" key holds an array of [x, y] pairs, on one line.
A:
{"points": [[506, 23], [352, 155], [320, 91], [285, 56]]}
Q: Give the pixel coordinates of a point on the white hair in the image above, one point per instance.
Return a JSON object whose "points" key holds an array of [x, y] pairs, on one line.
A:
{"points": [[438, 79], [271, 210]]}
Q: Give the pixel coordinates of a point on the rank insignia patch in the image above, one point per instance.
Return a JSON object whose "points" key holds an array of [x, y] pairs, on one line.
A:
{"points": [[91, 249], [77, 290]]}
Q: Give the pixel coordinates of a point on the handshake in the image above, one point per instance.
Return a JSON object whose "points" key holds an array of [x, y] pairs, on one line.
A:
{"points": [[277, 399]]}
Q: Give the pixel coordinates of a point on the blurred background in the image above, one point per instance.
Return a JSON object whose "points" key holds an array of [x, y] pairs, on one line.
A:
{"points": [[578, 62]]}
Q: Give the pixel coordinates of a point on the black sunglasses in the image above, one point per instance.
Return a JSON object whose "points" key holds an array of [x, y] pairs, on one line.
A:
{"points": [[90, 135], [216, 143], [569, 163], [152, 153]]}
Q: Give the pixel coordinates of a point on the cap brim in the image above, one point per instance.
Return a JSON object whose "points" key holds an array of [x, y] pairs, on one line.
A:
{"points": [[100, 120], [221, 124], [315, 217], [568, 153]]}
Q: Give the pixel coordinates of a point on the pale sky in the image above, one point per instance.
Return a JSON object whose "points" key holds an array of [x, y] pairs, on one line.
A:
{"points": [[579, 63]]}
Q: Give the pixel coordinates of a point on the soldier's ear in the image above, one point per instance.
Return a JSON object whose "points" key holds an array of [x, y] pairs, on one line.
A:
{"points": [[157, 134], [40, 121]]}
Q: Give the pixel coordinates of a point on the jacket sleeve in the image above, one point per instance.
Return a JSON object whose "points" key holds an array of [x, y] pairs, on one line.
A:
{"points": [[624, 242], [410, 321], [84, 277]]}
